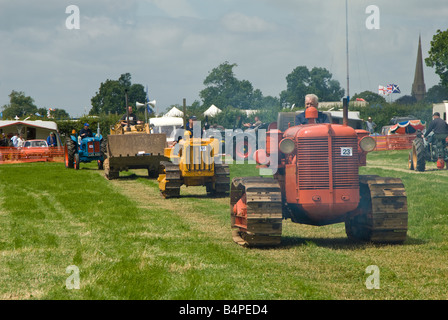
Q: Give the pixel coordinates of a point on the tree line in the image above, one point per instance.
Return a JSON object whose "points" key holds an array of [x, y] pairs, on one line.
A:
{"points": [[232, 95]]}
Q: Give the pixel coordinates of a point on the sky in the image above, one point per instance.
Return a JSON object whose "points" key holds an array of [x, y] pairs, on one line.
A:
{"points": [[170, 46]]}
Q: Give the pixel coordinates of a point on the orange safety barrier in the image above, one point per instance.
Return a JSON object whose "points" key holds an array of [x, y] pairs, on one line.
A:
{"points": [[20, 155], [394, 142]]}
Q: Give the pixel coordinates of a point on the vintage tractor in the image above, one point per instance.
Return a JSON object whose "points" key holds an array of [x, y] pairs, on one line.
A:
{"points": [[425, 151], [89, 149], [194, 161], [316, 181], [133, 147]]}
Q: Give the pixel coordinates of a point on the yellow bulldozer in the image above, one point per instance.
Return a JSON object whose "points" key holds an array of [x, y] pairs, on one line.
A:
{"points": [[133, 146], [194, 161]]}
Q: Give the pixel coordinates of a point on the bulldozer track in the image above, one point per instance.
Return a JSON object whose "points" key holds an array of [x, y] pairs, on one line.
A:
{"points": [[382, 215], [256, 211], [221, 186], [108, 173], [173, 179]]}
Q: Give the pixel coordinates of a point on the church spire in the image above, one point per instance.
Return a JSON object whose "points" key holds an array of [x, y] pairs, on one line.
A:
{"points": [[419, 87]]}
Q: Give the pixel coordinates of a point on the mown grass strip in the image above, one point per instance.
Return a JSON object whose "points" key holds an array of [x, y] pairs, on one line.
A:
{"points": [[129, 243]]}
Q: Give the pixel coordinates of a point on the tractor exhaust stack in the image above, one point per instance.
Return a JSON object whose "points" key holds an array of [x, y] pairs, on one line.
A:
{"points": [[345, 111]]}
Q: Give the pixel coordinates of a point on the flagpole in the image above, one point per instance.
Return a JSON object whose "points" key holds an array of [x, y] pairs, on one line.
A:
{"points": [[346, 40]]}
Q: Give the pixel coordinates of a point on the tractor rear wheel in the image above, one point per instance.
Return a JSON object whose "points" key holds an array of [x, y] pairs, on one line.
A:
{"points": [[103, 147], [410, 161], [76, 161], [69, 155], [103, 150], [256, 211], [382, 214], [418, 154]]}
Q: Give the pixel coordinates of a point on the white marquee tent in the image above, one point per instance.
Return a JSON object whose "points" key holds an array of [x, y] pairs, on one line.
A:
{"points": [[212, 111], [174, 112]]}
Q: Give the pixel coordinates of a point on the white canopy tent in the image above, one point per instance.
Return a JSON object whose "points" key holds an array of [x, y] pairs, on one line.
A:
{"points": [[174, 112], [212, 111], [167, 125]]}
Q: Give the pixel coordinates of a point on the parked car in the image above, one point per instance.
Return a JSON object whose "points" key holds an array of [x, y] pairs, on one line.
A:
{"points": [[35, 149]]}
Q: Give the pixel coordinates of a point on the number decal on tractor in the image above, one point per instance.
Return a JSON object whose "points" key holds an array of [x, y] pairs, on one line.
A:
{"points": [[346, 151]]}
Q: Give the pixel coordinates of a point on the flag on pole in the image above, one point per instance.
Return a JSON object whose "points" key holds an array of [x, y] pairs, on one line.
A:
{"points": [[383, 90], [394, 88]]}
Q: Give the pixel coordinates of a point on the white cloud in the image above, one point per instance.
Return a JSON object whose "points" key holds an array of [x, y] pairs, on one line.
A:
{"points": [[175, 8], [238, 22]]}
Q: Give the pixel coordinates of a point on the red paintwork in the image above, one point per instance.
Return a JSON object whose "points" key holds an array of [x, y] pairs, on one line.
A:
{"points": [[35, 152], [240, 212]]}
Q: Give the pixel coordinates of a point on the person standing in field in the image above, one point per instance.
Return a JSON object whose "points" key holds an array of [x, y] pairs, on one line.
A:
{"points": [[370, 125]]}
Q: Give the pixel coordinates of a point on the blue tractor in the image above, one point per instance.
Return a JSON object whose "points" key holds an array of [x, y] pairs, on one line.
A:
{"points": [[88, 149]]}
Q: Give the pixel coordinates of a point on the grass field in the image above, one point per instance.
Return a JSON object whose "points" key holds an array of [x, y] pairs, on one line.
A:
{"points": [[129, 243]]}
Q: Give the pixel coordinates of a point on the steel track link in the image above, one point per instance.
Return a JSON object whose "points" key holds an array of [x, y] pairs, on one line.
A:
{"points": [[173, 179], [382, 215], [222, 181], [261, 224]]}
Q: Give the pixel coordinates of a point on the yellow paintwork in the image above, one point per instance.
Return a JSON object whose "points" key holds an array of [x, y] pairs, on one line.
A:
{"points": [[138, 128], [193, 173], [162, 181]]}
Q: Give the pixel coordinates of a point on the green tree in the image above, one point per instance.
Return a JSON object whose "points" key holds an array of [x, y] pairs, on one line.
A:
{"points": [[19, 105], [370, 97], [406, 100], [302, 81], [436, 94], [223, 89], [59, 114], [438, 55], [65, 127], [229, 118], [111, 95]]}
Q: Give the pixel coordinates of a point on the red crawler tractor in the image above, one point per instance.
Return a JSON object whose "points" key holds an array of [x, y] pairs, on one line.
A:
{"points": [[317, 183]]}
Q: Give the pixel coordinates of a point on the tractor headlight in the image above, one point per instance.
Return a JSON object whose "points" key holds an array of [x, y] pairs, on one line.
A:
{"points": [[367, 144], [287, 146]]}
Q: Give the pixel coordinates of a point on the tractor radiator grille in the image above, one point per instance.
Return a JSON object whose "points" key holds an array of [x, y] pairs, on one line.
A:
{"points": [[320, 168], [198, 158], [93, 146]]}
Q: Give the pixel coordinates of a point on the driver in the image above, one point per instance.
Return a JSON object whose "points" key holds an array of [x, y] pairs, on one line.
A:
{"points": [[85, 132], [133, 119], [255, 124], [311, 100], [440, 129]]}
